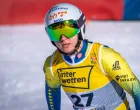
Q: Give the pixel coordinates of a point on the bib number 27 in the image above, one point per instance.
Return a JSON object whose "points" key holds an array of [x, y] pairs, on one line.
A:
{"points": [[77, 103]]}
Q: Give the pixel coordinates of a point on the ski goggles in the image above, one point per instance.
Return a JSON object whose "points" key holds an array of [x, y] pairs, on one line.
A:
{"points": [[69, 28]]}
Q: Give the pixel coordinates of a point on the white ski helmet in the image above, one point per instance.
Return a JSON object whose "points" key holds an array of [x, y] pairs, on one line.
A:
{"points": [[66, 11]]}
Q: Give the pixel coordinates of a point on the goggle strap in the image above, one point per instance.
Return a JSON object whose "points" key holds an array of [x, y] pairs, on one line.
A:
{"points": [[81, 20]]}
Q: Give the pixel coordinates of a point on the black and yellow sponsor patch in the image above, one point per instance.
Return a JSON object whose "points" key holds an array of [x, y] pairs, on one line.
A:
{"points": [[75, 77]]}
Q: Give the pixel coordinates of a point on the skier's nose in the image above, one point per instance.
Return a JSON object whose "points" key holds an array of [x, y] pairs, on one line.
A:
{"points": [[63, 37]]}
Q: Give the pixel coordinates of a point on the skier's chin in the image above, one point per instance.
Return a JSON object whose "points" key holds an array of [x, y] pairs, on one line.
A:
{"points": [[67, 50]]}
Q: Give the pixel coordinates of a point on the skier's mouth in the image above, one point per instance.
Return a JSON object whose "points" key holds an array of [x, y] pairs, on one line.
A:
{"points": [[66, 45]]}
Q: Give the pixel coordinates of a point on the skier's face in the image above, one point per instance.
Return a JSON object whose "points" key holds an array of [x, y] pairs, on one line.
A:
{"points": [[67, 44]]}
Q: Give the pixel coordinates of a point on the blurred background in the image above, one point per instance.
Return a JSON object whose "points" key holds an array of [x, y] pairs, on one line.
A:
{"points": [[24, 45]]}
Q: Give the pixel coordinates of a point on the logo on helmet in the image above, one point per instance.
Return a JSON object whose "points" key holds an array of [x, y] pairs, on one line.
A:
{"points": [[58, 20], [59, 14], [54, 8], [57, 8]]}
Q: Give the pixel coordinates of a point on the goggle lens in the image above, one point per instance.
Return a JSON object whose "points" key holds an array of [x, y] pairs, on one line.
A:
{"points": [[69, 28]]}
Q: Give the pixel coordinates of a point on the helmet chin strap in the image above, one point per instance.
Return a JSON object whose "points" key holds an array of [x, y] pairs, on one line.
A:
{"points": [[73, 51]]}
